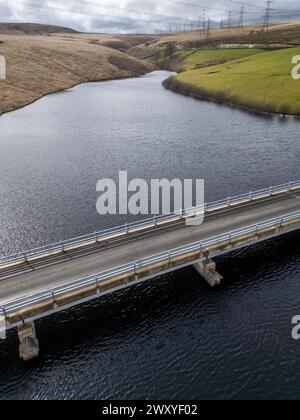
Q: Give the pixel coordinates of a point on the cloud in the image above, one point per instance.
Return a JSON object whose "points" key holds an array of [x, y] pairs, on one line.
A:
{"points": [[134, 16]]}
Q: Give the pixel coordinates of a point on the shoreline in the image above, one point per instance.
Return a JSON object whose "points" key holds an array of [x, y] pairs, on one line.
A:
{"points": [[41, 65], [174, 85], [220, 98], [65, 89]]}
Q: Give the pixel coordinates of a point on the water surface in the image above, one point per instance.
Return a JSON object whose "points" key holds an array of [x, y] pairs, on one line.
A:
{"points": [[172, 337]]}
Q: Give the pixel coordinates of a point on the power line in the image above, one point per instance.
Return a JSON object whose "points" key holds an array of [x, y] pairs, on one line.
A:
{"points": [[267, 16], [208, 31], [154, 18], [244, 4], [204, 18], [242, 13], [229, 19], [196, 5]]}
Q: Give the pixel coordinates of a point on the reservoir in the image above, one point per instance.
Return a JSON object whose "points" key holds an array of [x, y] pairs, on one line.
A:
{"points": [[173, 337]]}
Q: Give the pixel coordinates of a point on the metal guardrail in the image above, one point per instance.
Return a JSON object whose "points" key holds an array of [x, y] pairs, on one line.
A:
{"points": [[145, 224], [132, 268]]}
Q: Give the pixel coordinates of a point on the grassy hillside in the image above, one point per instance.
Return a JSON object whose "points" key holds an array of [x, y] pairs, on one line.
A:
{"points": [[190, 60], [261, 82]]}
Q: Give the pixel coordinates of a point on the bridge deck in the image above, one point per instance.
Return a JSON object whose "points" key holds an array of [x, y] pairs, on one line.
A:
{"points": [[60, 271]]}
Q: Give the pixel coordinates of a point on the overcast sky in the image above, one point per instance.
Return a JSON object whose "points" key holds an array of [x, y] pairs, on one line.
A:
{"points": [[138, 16]]}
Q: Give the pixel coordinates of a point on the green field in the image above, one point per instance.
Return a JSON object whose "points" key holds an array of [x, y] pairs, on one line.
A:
{"points": [[261, 82], [190, 60]]}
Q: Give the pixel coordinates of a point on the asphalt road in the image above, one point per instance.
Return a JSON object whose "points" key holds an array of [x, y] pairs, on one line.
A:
{"points": [[68, 269]]}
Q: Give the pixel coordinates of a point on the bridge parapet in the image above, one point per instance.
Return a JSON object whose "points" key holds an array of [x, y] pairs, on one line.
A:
{"points": [[142, 227], [37, 306]]}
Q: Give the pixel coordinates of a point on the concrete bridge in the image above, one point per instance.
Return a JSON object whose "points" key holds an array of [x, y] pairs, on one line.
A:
{"points": [[47, 280]]}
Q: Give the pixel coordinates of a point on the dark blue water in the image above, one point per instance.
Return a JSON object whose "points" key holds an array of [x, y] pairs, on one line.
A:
{"points": [[173, 337]]}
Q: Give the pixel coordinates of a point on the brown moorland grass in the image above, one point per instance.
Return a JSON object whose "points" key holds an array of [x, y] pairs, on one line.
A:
{"points": [[41, 64], [280, 35]]}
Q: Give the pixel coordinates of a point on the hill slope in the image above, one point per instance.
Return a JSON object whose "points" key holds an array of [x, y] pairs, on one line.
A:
{"points": [[32, 28], [191, 60], [279, 36], [39, 65], [262, 82]]}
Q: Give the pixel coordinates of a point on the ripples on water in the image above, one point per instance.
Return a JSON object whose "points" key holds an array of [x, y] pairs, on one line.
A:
{"points": [[172, 337]]}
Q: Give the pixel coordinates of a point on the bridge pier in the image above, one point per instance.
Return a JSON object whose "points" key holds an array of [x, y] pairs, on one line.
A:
{"points": [[208, 270], [29, 346]]}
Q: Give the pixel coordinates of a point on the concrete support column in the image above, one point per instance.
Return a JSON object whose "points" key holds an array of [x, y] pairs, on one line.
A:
{"points": [[208, 270], [29, 346]]}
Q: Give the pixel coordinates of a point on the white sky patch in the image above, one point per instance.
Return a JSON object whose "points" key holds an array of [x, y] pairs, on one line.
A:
{"points": [[129, 16]]}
